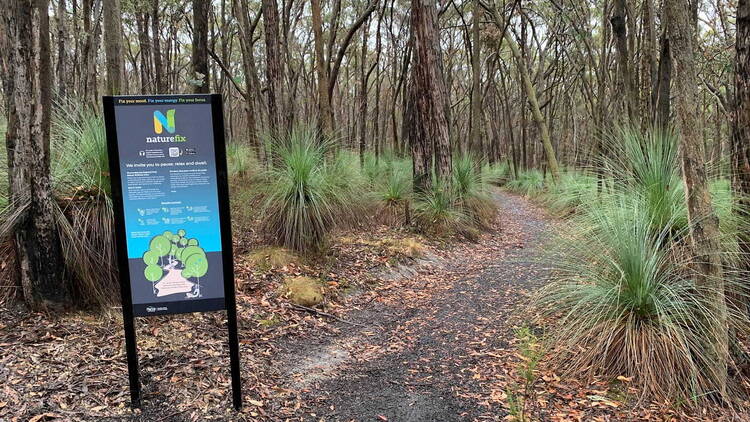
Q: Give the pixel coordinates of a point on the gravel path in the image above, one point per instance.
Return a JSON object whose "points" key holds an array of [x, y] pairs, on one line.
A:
{"points": [[420, 346]]}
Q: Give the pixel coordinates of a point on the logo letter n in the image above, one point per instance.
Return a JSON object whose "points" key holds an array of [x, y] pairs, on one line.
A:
{"points": [[162, 122]]}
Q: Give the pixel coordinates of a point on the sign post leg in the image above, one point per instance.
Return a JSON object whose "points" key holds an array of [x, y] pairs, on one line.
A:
{"points": [[132, 353], [234, 356]]}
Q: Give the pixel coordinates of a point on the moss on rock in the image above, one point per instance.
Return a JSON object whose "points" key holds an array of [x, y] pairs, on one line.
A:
{"points": [[303, 291]]}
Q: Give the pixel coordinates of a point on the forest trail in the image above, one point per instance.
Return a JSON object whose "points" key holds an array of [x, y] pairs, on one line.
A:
{"points": [[424, 348]]}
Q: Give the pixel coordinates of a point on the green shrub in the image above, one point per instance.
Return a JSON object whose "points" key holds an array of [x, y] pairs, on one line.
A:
{"points": [[529, 182], [307, 195], [242, 162], [574, 189], [81, 180], [471, 191], [393, 190], [627, 305], [496, 174], [436, 212], [622, 288]]}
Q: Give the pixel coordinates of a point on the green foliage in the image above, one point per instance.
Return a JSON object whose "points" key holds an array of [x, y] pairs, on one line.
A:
{"points": [[307, 194], [241, 161], [471, 190], [79, 151], [437, 213], [497, 173], [623, 290], [529, 348], [529, 182], [574, 189]]}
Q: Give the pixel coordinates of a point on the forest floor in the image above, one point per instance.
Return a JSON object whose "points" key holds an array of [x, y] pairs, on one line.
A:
{"points": [[428, 339]]}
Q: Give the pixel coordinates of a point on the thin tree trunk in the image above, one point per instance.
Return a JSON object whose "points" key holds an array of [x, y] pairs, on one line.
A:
{"points": [[324, 101], [661, 95], [62, 51], [156, 37], [274, 71], [627, 91], [248, 62], [199, 59], [704, 225], [113, 46], [476, 100], [27, 83], [741, 123], [531, 96]]}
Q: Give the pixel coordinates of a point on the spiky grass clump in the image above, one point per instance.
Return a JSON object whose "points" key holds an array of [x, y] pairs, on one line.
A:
{"points": [[529, 182], [436, 212], [242, 162], [393, 190], [497, 173], [307, 196], [471, 191], [573, 190], [626, 304], [623, 289], [81, 180]]}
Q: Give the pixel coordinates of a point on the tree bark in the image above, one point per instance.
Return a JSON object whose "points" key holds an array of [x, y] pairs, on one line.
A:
{"points": [[430, 139], [476, 100], [274, 71], [325, 115], [627, 92], [199, 59], [156, 37], [63, 87], [704, 225], [113, 46], [27, 84], [248, 62], [741, 123], [662, 92]]}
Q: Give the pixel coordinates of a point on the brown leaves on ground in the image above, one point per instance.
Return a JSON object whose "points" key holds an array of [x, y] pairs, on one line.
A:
{"points": [[73, 367]]}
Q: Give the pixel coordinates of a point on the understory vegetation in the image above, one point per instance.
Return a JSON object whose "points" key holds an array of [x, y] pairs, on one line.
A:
{"points": [[302, 191], [624, 299]]}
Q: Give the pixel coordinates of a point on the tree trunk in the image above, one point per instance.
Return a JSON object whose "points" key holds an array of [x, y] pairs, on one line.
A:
{"points": [[476, 100], [662, 92], [113, 46], [63, 89], [704, 225], [28, 103], [429, 94], [248, 62], [199, 59], [531, 96], [142, 20], [274, 75], [627, 92], [321, 68], [156, 37], [741, 123]]}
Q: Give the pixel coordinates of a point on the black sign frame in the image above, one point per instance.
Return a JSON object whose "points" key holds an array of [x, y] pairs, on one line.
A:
{"points": [[225, 224]]}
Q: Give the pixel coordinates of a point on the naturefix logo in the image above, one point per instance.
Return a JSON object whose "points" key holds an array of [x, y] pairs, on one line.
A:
{"points": [[162, 122]]}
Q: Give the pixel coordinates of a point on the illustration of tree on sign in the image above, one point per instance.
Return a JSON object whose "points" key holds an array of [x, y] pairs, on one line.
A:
{"points": [[171, 261]]}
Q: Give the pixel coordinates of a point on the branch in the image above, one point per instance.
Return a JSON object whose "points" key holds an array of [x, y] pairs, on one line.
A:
{"points": [[325, 314], [347, 40], [226, 72]]}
